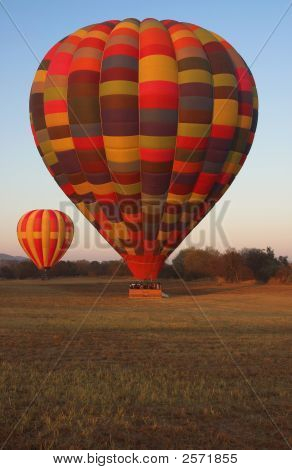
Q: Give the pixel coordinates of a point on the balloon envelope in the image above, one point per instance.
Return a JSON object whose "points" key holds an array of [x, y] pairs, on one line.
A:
{"points": [[144, 125], [45, 236]]}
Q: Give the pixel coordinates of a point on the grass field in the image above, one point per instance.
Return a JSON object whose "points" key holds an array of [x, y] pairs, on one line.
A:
{"points": [[145, 374]]}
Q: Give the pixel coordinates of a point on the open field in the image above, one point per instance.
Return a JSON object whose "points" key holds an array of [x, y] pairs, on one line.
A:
{"points": [[147, 374]]}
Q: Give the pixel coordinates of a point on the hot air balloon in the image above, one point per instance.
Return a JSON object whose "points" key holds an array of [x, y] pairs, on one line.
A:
{"points": [[45, 235], [144, 126]]}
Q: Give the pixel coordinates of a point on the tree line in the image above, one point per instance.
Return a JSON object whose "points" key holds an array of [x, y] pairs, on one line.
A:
{"points": [[191, 264], [233, 265]]}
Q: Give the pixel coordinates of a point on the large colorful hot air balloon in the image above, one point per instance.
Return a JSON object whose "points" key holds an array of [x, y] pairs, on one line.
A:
{"points": [[144, 125], [45, 236]]}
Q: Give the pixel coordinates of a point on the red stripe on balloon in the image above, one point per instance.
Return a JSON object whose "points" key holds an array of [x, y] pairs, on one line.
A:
{"points": [[55, 106], [204, 182], [88, 143], [156, 155], [192, 143], [222, 132], [123, 49]]}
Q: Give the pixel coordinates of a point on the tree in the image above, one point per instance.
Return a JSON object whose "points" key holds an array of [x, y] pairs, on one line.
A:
{"points": [[82, 267], [232, 265], [284, 271], [262, 263], [197, 263], [95, 268], [26, 269], [64, 268], [167, 272], [7, 272]]}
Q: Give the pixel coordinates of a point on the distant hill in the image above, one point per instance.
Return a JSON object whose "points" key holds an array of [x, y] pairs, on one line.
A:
{"points": [[4, 257]]}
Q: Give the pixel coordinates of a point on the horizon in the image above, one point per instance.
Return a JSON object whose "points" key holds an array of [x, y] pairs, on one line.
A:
{"points": [[119, 258]]}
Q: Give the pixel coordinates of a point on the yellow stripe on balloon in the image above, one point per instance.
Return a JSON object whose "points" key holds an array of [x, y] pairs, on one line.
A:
{"points": [[157, 142], [204, 36], [85, 210], [50, 158], [38, 235], [55, 93], [187, 129], [193, 75], [225, 112], [60, 145], [157, 67], [127, 155], [127, 25], [162, 236], [118, 87], [97, 34], [151, 23], [57, 119], [46, 236], [120, 142], [80, 33], [177, 198], [183, 33], [130, 251], [244, 122], [40, 76], [46, 147], [224, 79], [102, 189], [196, 197]]}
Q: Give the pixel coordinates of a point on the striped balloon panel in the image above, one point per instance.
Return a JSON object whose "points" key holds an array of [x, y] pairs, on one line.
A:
{"points": [[194, 121], [144, 125], [45, 236], [120, 125], [158, 93]]}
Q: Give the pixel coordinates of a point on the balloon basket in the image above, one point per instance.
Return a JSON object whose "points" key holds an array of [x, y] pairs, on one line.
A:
{"points": [[44, 275], [145, 289]]}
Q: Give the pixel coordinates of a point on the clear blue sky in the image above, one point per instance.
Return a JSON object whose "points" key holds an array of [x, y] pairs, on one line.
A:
{"points": [[260, 207]]}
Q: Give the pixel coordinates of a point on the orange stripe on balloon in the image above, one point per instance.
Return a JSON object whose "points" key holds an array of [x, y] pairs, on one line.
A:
{"points": [[46, 234]]}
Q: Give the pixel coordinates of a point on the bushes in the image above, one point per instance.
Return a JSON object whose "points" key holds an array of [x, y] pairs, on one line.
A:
{"points": [[263, 263], [233, 265], [197, 264], [26, 269], [7, 273], [18, 270]]}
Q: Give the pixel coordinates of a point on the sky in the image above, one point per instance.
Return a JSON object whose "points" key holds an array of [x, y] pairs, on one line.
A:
{"points": [[255, 212]]}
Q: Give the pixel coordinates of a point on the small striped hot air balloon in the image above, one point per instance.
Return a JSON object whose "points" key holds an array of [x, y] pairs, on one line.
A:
{"points": [[45, 235]]}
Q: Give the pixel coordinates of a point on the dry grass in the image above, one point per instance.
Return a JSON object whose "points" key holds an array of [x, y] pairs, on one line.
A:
{"points": [[144, 374]]}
